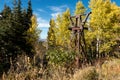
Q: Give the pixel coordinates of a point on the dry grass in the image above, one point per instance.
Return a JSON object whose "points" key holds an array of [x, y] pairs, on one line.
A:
{"points": [[88, 73], [22, 70], [110, 70]]}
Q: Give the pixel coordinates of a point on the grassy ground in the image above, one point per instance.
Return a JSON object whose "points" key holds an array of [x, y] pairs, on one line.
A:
{"points": [[109, 70]]}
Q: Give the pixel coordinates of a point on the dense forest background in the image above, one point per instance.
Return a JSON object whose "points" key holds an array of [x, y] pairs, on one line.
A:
{"points": [[24, 56], [18, 33]]}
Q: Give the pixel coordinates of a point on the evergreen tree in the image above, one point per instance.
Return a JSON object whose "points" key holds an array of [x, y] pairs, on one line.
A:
{"points": [[15, 10], [5, 26], [29, 10], [6, 11], [14, 26], [19, 10], [24, 21]]}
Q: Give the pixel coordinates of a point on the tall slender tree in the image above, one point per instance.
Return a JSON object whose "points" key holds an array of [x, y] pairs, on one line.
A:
{"points": [[5, 45], [51, 34], [6, 11], [29, 9], [80, 8], [63, 34]]}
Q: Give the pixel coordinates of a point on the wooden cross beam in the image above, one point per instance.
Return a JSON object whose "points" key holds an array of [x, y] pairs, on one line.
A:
{"points": [[78, 29]]}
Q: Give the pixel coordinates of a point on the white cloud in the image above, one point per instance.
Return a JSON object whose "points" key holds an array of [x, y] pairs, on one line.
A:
{"points": [[42, 22], [54, 15], [57, 10], [36, 14], [41, 10]]}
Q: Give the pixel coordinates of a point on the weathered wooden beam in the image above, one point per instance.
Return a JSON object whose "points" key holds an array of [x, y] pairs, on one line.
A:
{"points": [[78, 15], [77, 28], [85, 28], [72, 21], [84, 21]]}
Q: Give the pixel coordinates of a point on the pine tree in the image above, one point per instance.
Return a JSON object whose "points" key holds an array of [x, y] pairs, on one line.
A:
{"points": [[16, 10], [5, 23], [6, 11], [29, 10], [5, 51], [19, 10], [24, 21], [51, 34], [20, 25], [29, 15], [14, 25]]}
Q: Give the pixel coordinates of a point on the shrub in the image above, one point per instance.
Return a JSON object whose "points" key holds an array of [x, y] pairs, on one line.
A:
{"points": [[60, 57]]}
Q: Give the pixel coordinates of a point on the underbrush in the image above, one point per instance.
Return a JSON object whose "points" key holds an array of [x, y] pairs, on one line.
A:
{"points": [[24, 70]]}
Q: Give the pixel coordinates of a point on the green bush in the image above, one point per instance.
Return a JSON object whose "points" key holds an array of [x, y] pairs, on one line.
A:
{"points": [[60, 57]]}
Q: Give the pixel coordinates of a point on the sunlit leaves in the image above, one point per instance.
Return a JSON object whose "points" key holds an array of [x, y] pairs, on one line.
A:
{"points": [[104, 23]]}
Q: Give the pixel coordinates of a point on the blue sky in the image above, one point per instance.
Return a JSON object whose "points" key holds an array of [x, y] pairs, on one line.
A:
{"points": [[47, 9]]}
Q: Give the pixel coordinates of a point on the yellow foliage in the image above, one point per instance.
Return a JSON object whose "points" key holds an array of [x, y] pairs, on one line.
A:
{"points": [[62, 32], [33, 32], [104, 23], [34, 24], [80, 9]]}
